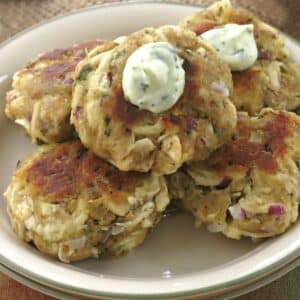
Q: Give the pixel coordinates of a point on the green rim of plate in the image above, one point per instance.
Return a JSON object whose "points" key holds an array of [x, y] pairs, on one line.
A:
{"points": [[34, 285], [225, 287], [63, 295]]}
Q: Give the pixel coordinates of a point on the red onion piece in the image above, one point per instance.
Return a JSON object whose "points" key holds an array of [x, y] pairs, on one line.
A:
{"points": [[58, 70], [11, 98], [109, 78], [237, 212], [203, 141], [221, 88], [203, 27], [29, 117], [264, 55], [226, 181], [68, 81], [78, 112], [276, 209], [55, 54], [190, 123]]}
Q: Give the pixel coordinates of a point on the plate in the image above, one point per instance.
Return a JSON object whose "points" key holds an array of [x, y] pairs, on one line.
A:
{"points": [[176, 260], [65, 296]]}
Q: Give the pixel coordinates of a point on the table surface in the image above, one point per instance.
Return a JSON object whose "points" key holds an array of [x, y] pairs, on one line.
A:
{"points": [[15, 15]]}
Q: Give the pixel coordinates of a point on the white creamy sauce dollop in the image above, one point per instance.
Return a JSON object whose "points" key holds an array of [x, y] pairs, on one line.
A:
{"points": [[235, 45], [153, 77]]}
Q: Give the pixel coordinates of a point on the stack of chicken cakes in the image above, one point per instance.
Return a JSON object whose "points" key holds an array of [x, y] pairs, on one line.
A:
{"points": [[160, 115]]}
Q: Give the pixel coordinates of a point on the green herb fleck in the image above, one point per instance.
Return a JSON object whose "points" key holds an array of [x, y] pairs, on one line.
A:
{"points": [[264, 103], [106, 120], [238, 51], [18, 164], [43, 131], [80, 153], [107, 132], [91, 184], [220, 11], [84, 73], [144, 86], [39, 142], [119, 54], [298, 165], [197, 113]]}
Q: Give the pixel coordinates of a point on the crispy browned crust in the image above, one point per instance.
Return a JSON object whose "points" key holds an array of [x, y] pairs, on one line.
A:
{"points": [[246, 153], [73, 205], [69, 169], [258, 169]]}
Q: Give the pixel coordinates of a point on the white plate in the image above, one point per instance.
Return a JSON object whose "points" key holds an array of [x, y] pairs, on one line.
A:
{"points": [[176, 260], [233, 294]]}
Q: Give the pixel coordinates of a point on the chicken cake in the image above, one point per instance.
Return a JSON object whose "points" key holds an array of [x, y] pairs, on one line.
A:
{"points": [[159, 98], [250, 186], [264, 74], [40, 100], [73, 205], [267, 84]]}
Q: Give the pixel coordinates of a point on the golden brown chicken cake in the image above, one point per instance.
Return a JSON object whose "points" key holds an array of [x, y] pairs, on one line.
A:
{"points": [[73, 205], [40, 100], [268, 83], [250, 186], [159, 98], [272, 81]]}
